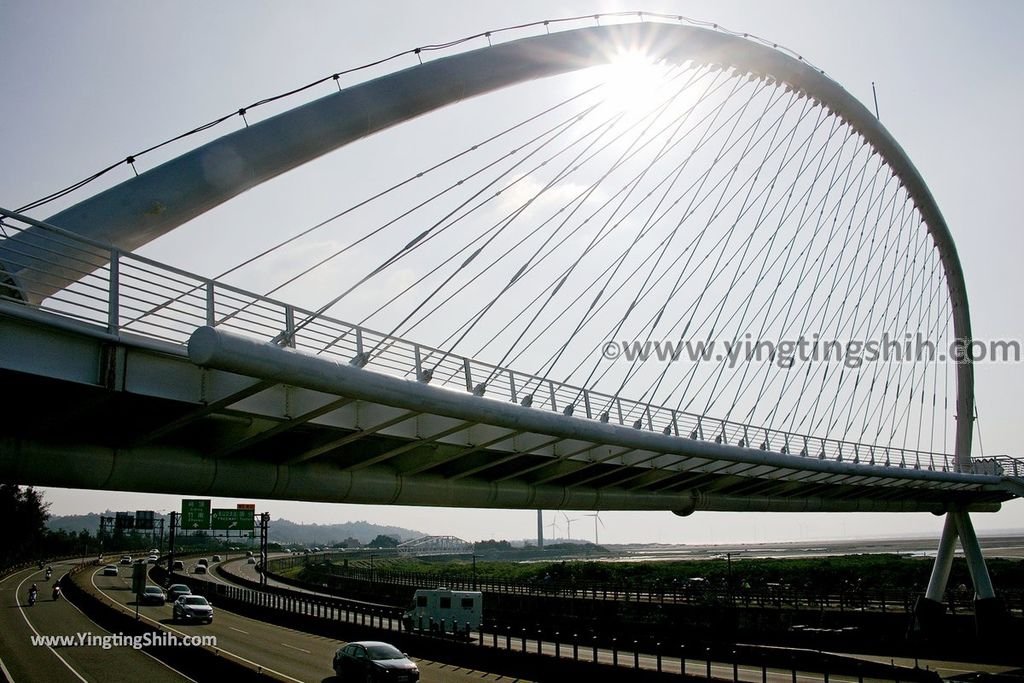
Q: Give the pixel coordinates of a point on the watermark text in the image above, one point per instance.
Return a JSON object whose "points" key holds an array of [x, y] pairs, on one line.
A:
{"points": [[852, 353]]}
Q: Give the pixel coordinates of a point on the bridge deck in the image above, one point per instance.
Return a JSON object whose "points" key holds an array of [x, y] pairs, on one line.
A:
{"points": [[244, 417]]}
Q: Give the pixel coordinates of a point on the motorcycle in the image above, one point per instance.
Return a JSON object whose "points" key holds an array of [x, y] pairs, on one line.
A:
{"points": [[49, 573], [32, 597], [56, 592]]}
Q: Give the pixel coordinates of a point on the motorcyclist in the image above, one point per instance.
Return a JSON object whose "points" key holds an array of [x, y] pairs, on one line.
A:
{"points": [[32, 592], [49, 573], [56, 591]]}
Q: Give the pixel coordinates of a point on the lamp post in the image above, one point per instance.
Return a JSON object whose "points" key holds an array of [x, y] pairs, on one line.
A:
{"points": [[474, 572], [728, 575]]}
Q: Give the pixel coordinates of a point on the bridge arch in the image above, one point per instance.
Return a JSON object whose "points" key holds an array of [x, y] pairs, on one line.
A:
{"points": [[143, 208]]}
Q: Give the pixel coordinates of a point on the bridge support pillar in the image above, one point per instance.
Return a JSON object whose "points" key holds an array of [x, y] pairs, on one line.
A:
{"points": [[989, 611], [975, 561], [930, 608], [943, 561]]}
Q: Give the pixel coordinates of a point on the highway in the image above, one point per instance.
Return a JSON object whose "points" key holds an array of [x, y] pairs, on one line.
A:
{"points": [[720, 670], [285, 653], [23, 661], [288, 654], [724, 670]]}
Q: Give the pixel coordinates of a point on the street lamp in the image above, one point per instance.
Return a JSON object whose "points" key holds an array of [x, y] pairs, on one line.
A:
{"points": [[728, 575], [474, 572]]}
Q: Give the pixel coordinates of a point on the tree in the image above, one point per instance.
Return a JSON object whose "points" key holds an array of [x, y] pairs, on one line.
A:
{"points": [[23, 514], [383, 541], [491, 545]]}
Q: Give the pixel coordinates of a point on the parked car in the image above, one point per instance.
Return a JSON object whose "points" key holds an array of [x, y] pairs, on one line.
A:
{"points": [[152, 595], [371, 660], [175, 591], [110, 570], [193, 608], [178, 566], [126, 559]]}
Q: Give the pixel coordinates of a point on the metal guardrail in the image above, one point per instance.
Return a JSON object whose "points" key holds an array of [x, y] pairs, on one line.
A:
{"points": [[850, 599], [625, 651], [131, 295]]}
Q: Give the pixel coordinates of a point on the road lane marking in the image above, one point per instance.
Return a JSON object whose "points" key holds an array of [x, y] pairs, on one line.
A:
{"points": [[5, 672], [162, 663], [161, 625], [17, 593], [238, 629], [296, 648]]}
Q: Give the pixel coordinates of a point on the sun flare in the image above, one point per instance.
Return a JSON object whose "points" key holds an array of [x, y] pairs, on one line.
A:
{"points": [[634, 82]]}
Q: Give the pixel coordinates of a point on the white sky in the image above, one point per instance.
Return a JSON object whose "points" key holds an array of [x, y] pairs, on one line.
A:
{"points": [[87, 83]]}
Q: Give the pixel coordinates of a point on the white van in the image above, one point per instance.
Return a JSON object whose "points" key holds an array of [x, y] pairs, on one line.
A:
{"points": [[444, 610]]}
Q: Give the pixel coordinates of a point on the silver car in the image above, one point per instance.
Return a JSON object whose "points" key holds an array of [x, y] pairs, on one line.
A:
{"points": [[193, 608]]}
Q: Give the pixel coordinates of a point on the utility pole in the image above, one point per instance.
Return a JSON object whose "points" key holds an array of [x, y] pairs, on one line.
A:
{"points": [[540, 529], [728, 574], [171, 537], [264, 537]]}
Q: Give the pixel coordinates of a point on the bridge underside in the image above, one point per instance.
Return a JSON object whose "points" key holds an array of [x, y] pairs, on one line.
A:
{"points": [[85, 410]]}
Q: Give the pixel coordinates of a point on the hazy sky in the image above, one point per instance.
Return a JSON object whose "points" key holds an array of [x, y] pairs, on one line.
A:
{"points": [[87, 83]]}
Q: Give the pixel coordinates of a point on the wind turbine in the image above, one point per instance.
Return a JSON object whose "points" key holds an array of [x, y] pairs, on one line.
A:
{"points": [[553, 526], [597, 518], [568, 525]]}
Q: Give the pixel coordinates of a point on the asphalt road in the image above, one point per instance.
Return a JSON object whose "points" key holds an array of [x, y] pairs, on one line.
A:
{"points": [[290, 654], [695, 667], [24, 661]]}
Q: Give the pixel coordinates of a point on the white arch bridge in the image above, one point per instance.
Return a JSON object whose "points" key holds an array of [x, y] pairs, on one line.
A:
{"points": [[742, 196]]}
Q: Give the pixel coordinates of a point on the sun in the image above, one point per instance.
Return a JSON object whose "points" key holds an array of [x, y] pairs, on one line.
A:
{"points": [[633, 82]]}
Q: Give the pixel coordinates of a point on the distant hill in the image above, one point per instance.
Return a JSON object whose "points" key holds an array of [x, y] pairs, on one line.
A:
{"points": [[281, 530], [75, 523]]}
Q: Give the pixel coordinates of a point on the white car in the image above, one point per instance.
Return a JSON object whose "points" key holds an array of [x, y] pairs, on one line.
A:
{"points": [[110, 570], [193, 608]]}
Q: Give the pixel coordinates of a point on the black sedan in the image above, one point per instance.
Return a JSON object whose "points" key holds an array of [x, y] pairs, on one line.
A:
{"points": [[371, 660], [152, 595]]}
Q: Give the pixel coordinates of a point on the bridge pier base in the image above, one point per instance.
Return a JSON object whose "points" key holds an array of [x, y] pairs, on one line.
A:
{"points": [[989, 611], [928, 617], [990, 616]]}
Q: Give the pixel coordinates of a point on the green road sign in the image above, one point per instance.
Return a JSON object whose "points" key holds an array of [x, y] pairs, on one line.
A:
{"points": [[138, 578], [232, 520], [195, 513]]}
